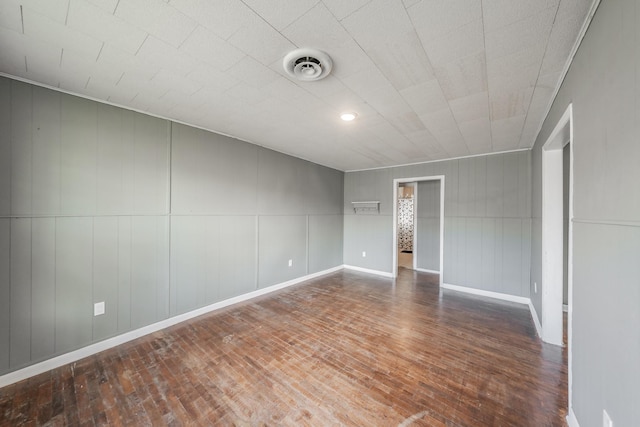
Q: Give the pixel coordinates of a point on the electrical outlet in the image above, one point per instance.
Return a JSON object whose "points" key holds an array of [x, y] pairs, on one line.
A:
{"points": [[98, 308], [606, 419], [535, 287], [364, 254], [290, 263]]}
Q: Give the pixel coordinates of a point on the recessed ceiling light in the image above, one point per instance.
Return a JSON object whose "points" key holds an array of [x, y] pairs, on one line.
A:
{"points": [[347, 117]]}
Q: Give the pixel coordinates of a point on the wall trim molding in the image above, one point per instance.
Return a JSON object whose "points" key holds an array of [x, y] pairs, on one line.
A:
{"points": [[490, 294], [81, 353], [424, 270], [517, 150], [572, 421], [536, 319], [368, 270]]}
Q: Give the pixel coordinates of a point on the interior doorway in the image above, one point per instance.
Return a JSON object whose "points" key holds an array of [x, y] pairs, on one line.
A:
{"points": [[422, 202], [407, 203], [557, 242]]}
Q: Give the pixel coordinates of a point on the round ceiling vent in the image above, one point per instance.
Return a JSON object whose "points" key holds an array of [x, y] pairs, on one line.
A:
{"points": [[307, 64]]}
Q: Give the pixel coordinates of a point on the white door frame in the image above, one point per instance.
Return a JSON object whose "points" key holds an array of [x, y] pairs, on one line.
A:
{"points": [[552, 226], [397, 181]]}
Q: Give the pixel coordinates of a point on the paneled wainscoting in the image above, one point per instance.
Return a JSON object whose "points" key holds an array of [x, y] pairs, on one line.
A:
{"points": [[348, 348]]}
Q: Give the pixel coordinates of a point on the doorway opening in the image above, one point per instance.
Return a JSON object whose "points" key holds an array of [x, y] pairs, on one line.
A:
{"points": [[557, 236], [407, 198], [418, 224]]}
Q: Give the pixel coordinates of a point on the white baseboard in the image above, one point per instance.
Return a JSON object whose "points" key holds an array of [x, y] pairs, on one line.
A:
{"points": [[367, 270], [73, 356], [490, 294], [572, 421], [536, 321], [424, 270]]}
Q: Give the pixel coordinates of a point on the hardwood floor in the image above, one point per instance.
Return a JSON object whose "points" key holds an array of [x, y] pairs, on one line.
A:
{"points": [[345, 349]]}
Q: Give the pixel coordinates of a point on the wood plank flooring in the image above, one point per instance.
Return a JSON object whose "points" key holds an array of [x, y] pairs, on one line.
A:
{"points": [[345, 349]]}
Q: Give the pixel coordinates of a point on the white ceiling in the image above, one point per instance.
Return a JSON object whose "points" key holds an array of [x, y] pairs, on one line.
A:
{"points": [[429, 79]]}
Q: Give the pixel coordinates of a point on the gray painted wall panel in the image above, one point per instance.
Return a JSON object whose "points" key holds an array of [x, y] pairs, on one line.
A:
{"points": [[151, 174], [473, 264], [20, 292], [487, 270], [110, 161], [511, 189], [495, 185], [325, 242], [475, 189], [124, 273], [212, 174], [603, 87], [21, 151], [148, 287], [466, 190], [46, 152], [280, 239], [105, 275], [5, 147], [102, 227], [78, 156], [5, 292], [511, 255], [212, 258], [428, 225], [74, 260], [43, 287], [188, 237], [238, 260], [608, 315], [282, 184], [372, 234]]}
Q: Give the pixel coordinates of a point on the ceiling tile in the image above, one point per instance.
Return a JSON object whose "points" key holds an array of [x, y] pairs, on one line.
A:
{"points": [[280, 13], [156, 54], [465, 41], [436, 18], [72, 63], [524, 34], [223, 17], [341, 9], [506, 132], [332, 36], [210, 77], [252, 72], [166, 78], [103, 26], [477, 134], [106, 5], [10, 17], [426, 97], [463, 77], [394, 46], [158, 18], [55, 10], [56, 34], [500, 13], [117, 59], [510, 104], [208, 47], [261, 41], [470, 108]]}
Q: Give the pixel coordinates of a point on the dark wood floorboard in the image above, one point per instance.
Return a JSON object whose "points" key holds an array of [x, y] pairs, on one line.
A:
{"points": [[345, 349]]}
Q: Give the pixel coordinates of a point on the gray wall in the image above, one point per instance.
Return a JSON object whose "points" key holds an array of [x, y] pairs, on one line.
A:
{"points": [[487, 220], [99, 203], [603, 84], [428, 225]]}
